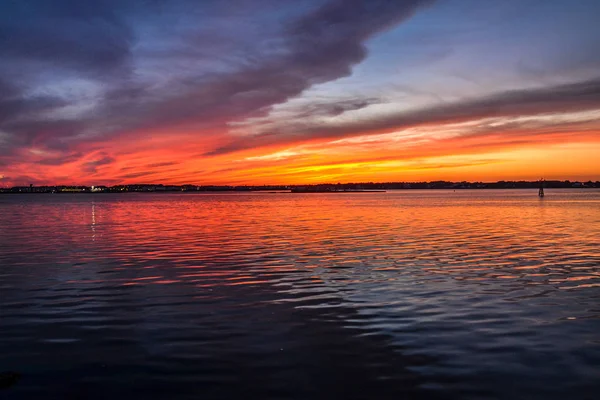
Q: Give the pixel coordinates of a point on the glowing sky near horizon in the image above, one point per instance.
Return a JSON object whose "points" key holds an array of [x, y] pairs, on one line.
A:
{"points": [[282, 91]]}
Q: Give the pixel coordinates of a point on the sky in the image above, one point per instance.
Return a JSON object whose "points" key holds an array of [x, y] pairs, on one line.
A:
{"points": [[291, 92]]}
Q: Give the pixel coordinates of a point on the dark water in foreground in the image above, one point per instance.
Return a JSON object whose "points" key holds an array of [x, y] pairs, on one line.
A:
{"points": [[432, 294]]}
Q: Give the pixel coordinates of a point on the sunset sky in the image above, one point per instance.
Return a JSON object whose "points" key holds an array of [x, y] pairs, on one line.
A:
{"points": [[298, 91]]}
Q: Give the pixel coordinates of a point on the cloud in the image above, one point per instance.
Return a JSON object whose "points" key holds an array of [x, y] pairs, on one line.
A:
{"points": [[579, 96], [175, 81], [15, 105], [318, 47], [161, 164], [58, 159], [135, 175], [91, 167], [95, 40], [86, 36], [24, 180], [333, 109]]}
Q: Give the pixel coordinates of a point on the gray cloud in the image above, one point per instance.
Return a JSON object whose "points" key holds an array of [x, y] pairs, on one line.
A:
{"points": [[319, 47], [333, 109], [86, 37], [162, 164], [91, 167], [135, 175], [580, 96], [14, 104], [95, 40], [61, 158]]}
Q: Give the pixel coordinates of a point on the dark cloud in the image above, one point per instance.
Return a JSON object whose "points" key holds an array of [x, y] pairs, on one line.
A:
{"points": [[162, 164], [19, 106], [40, 42], [135, 175], [580, 96], [91, 167], [319, 47], [43, 42], [39, 132], [333, 109], [425, 166], [84, 36], [14, 104], [59, 159], [95, 40], [22, 180], [7, 90]]}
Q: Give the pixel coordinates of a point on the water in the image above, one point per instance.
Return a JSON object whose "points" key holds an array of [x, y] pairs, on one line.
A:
{"points": [[409, 294]]}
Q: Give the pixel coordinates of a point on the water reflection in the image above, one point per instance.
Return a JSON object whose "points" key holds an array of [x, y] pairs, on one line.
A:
{"points": [[93, 226], [306, 296]]}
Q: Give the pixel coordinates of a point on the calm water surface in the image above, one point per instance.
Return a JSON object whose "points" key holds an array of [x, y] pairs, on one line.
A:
{"points": [[409, 294]]}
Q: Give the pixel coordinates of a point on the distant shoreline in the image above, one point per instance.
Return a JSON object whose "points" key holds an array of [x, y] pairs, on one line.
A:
{"points": [[299, 189], [273, 192]]}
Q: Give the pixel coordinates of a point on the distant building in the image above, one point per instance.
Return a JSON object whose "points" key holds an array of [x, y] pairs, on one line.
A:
{"points": [[72, 190]]}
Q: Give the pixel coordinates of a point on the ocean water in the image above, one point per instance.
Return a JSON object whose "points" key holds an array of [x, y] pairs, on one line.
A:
{"points": [[404, 294]]}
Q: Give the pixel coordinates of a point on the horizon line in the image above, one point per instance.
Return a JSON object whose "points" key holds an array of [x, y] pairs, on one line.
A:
{"points": [[307, 184]]}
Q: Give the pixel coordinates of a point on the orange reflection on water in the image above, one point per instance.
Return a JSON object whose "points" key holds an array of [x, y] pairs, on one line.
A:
{"points": [[212, 239]]}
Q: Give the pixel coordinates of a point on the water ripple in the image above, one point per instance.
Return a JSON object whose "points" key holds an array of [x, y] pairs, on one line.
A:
{"points": [[477, 294]]}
